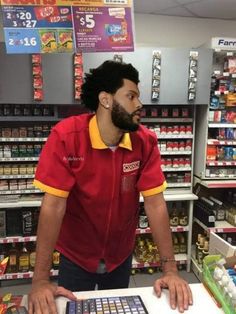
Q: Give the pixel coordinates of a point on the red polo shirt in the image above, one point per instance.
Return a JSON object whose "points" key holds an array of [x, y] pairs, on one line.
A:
{"points": [[101, 186]]}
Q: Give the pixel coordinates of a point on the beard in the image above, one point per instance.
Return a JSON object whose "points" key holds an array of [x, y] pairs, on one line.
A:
{"points": [[122, 119]]}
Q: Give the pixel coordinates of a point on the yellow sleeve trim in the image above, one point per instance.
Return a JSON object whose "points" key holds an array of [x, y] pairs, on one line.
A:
{"points": [[154, 191], [50, 190]]}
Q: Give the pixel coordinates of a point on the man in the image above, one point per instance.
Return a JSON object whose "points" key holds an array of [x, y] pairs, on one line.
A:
{"points": [[92, 169]]}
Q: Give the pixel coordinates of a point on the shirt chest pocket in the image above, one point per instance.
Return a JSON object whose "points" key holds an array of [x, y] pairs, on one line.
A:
{"points": [[129, 182]]}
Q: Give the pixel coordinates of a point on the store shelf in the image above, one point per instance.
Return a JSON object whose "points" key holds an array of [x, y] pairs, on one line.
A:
{"points": [[166, 120], [221, 125], [175, 185], [173, 229], [220, 142], [174, 136], [20, 192], [222, 176], [12, 159], [19, 204], [215, 183], [29, 118], [222, 163], [220, 226], [176, 152], [176, 197], [169, 169], [17, 176], [181, 259], [18, 239], [23, 139], [24, 275]]}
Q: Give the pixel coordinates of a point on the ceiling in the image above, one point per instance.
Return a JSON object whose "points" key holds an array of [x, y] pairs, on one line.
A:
{"points": [[215, 9]]}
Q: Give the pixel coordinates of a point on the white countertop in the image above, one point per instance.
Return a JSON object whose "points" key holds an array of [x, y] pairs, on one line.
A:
{"points": [[203, 303]]}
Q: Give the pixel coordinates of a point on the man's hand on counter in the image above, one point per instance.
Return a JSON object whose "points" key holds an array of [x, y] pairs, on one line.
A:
{"points": [[42, 297], [179, 290]]}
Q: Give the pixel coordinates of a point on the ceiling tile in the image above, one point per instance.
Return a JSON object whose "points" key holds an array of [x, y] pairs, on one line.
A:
{"points": [[141, 6], [225, 9], [177, 11], [188, 1]]}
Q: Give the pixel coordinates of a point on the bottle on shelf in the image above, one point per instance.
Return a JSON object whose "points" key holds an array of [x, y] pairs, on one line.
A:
{"points": [[183, 216], [140, 251], [23, 259], [175, 244], [55, 259], [143, 220], [3, 252], [182, 243], [200, 249], [32, 257], [13, 254], [174, 218], [205, 251]]}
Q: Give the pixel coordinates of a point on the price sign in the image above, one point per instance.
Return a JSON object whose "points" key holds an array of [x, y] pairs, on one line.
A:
{"points": [[53, 26], [103, 28], [22, 40]]}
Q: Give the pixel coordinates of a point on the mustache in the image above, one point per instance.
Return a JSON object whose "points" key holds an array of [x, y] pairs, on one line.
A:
{"points": [[138, 111]]}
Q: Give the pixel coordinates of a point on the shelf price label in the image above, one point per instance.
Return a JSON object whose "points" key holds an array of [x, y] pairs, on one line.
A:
{"points": [[22, 40]]}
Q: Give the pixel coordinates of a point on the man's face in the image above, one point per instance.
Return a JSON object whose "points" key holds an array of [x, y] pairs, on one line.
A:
{"points": [[126, 107]]}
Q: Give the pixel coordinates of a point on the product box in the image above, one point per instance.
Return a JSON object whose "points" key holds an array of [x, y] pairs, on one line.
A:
{"points": [[2, 224], [217, 245], [13, 217]]}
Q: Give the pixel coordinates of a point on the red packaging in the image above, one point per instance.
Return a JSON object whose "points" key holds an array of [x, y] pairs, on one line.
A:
{"points": [[169, 130], [164, 112], [187, 177], [182, 129], [163, 129], [36, 58], [169, 146], [175, 163], [182, 145], [175, 146], [78, 71], [78, 58], [154, 112], [175, 112], [185, 112], [188, 144], [188, 129], [187, 162], [168, 162], [38, 82], [175, 129], [43, 12], [38, 94], [37, 69], [181, 162]]}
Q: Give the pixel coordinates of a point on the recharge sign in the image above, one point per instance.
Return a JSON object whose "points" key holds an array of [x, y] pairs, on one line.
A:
{"points": [[47, 26]]}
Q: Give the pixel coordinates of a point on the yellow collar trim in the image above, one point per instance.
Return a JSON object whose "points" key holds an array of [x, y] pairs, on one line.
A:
{"points": [[97, 141]]}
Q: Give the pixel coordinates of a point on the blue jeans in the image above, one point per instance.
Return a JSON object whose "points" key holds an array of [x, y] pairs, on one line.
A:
{"points": [[75, 278]]}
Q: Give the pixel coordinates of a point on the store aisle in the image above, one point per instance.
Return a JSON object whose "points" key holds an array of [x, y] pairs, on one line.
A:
{"points": [[137, 280]]}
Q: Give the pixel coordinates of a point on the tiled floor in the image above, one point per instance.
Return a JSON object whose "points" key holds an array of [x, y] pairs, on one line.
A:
{"points": [[137, 280]]}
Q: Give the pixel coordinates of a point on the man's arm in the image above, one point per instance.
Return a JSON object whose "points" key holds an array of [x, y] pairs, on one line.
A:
{"points": [[180, 293], [41, 297]]}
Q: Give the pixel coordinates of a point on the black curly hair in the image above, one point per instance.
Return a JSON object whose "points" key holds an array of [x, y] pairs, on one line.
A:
{"points": [[107, 77]]}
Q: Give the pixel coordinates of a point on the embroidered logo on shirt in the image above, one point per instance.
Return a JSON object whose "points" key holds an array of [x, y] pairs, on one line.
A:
{"points": [[131, 166]]}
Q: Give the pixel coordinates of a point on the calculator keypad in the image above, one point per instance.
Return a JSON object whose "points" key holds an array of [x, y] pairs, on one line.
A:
{"points": [[110, 305]]}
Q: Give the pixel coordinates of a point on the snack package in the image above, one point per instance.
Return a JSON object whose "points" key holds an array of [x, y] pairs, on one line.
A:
{"points": [[65, 40], [3, 265], [44, 12], [48, 40]]}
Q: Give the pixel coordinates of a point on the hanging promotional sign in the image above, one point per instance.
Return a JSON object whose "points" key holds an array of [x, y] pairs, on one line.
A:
{"points": [[49, 26], [223, 43]]}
